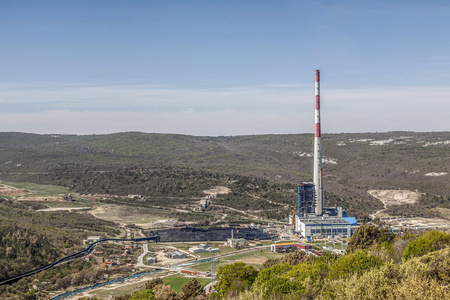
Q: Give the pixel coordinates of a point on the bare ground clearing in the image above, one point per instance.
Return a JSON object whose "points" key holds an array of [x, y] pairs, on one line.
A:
{"points": [[217, 190], [163, 260], [131, 215], [19, 194], [41, 198], [10, 191], [395, 197], [432, 223], [398, 197], [253, 260], [392, 197]]}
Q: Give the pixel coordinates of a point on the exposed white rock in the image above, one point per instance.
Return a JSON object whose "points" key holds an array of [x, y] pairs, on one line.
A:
{"points": [[426, 144], [381, 142], [331, 161], [395, 197], [360, 140], [302, 154], [436, 174]]}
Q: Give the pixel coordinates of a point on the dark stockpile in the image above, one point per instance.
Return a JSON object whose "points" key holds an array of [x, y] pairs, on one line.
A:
{"points": [[192, 234]]}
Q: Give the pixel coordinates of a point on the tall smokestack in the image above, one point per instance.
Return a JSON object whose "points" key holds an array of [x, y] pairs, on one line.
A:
{"points": [[318, 178]]}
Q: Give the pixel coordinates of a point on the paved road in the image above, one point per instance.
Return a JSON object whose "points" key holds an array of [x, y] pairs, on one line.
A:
{"points": [[140, 260]]}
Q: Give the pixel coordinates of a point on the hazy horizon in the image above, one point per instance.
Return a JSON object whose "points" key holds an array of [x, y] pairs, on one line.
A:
{"points": [[238, 135], [223, 68]]}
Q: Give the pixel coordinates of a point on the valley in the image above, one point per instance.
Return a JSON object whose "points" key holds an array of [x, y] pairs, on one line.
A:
{"points": [[58, 190]]}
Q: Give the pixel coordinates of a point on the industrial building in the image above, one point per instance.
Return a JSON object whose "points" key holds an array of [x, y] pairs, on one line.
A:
{"points": [[289, 247], [176, 255], [306, 199], [203, 248], [93, 239], [326, 226], [197, 250], [313, 219], [235, 242], [151, 260]]}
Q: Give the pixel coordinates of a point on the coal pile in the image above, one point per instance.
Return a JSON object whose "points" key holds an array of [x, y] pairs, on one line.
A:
{"points": [[192, 234]]}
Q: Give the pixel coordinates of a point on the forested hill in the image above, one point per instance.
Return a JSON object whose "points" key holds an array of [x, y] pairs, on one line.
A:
{"points": [[353, 163]]}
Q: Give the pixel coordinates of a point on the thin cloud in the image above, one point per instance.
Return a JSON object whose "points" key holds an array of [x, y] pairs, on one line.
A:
{"points": [[145, 98], [221, 111]]}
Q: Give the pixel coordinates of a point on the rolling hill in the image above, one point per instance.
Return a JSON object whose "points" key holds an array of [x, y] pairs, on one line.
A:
{"points": [[267, 167]]}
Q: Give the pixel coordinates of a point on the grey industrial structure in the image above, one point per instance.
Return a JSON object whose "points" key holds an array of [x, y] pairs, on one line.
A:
{"points": [[176, 254], [313, 218]]}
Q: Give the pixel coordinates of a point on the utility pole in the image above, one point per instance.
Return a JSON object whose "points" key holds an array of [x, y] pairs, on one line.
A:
{"points": [[213, 270]]}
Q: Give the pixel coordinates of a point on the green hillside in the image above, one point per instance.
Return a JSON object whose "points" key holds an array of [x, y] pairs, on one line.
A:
{"points": [[166, 165]]}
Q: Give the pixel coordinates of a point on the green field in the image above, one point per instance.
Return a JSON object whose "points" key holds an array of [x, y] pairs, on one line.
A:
{"points": [[254, 258], [176, 282], [38, 189]]}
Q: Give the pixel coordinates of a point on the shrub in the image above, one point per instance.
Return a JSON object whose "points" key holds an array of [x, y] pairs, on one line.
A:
{"points": [[234, 277], [355, 263], [429, 242]]}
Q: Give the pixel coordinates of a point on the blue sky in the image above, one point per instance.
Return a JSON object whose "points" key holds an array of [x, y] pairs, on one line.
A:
{"points": [[223, 67]]}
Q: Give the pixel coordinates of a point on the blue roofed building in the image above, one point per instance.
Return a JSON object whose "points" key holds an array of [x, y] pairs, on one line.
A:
{"points": [[332, 222]]}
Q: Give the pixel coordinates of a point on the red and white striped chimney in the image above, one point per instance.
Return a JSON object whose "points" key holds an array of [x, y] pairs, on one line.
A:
{"points": [[318, 178]]}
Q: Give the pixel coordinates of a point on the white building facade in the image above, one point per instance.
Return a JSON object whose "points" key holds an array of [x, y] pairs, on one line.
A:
{"points": [[320, 227]]}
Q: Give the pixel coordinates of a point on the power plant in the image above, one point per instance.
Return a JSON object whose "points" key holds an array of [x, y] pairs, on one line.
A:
{"points": [[313, 218]]}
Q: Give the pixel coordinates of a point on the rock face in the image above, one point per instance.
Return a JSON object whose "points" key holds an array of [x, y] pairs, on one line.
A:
{"points": [[395, 197]]}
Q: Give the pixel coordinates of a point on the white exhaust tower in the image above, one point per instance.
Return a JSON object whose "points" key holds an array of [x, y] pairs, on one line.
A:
{"points": [[318, 177]]}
